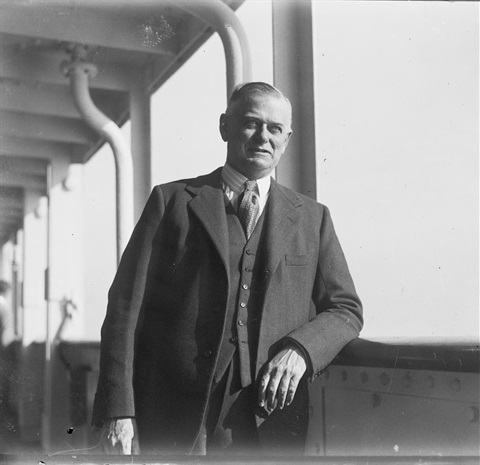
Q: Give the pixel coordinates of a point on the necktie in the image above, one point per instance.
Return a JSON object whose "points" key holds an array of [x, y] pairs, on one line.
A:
{"points": [[249, 208]]}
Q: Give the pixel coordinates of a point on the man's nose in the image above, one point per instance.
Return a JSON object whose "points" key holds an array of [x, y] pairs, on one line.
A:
{"points": [[262, 133]]}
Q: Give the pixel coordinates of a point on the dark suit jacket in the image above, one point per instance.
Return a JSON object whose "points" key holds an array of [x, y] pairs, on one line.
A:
{"points": [[166, 306]]}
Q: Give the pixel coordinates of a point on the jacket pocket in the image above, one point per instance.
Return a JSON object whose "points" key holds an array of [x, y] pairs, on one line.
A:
{"points": [[296, 260]]}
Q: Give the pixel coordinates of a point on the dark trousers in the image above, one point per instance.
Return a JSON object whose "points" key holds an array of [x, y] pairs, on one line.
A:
{"points": [[230, 427]]}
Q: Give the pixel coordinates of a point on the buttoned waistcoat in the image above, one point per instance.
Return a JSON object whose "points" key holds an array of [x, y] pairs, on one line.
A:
{"points": [[167, 304]]}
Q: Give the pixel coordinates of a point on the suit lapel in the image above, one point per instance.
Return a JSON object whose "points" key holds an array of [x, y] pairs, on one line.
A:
{"points": [[208, 205], [281, 223]]}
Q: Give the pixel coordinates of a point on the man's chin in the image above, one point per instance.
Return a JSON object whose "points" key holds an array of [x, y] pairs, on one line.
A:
{"points": [[258, 168]]}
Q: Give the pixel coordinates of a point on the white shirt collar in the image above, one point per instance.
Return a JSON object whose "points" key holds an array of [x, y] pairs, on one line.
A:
{"points": [[236, 181]]}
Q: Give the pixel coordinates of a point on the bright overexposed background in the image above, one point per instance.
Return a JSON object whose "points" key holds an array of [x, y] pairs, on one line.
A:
{"points": [[397, 162], [396, 97]]}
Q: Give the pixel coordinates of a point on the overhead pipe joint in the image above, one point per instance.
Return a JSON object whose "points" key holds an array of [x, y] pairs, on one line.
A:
{"points": [[79, 72]]}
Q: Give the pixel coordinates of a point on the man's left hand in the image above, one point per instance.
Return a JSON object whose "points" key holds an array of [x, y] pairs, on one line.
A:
{"points": [[280, 380]]}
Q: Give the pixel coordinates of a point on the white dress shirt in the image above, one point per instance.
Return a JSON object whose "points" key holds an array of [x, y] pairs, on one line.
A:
{"points": [[234, 185]]}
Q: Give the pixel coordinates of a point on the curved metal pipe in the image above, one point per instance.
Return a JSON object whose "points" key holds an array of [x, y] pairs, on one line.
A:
{"points": [[235, 43], [79, 73]]}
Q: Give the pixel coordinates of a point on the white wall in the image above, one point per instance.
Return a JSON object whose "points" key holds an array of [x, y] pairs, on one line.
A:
{"points": [[397, 137]]}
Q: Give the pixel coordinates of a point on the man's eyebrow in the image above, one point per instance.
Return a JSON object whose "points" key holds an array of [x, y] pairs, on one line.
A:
{"points": [[257, 118]]}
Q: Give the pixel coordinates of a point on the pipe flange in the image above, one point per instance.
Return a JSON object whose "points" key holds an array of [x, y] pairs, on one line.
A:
{"points": [[68, 67]]}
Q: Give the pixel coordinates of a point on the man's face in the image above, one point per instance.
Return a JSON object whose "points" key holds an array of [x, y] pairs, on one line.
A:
{"points": [[257, 131]]}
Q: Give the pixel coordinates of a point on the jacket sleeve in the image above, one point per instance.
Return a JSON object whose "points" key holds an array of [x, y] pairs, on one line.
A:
{"points": [[338, 308], [114, 397]]}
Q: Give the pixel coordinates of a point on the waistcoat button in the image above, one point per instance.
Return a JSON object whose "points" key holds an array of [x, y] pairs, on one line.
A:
{"points": [[243, 304], [240, 323], [207, 353]]}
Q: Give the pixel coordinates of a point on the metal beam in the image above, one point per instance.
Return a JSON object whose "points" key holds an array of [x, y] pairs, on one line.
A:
{"points": [[31, 166], [38, 149], [23, 180], [52, 128], [11, 203], [293, 74], [43, 100], [82, 26], [9, 221], [18, 64], [53, 100]]}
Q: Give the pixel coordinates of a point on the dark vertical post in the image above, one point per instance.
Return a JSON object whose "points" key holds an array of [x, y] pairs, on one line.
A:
{"points": [[294, 75]]}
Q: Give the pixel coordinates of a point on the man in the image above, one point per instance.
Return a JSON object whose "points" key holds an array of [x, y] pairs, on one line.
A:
{"points": [[209, 335]]}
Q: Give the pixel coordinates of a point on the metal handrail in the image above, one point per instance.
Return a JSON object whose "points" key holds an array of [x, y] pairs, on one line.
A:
{"points": [[224, 21]]}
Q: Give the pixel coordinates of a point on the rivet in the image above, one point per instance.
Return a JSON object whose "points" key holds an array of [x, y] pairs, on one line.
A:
{"points": [[384, 379], [456, 385], [375, 400], [430, 382], [473, 414], [407, 381]]}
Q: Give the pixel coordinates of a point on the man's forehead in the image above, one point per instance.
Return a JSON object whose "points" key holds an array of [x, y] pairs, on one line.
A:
{"points": [[254, 103]]}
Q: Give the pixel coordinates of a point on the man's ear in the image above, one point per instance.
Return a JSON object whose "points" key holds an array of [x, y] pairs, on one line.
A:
{"points": [[223, 127], [287, 139]]}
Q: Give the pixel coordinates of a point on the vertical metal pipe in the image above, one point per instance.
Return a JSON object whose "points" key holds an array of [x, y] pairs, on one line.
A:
{"points": [[140, 118], [79, 73], [47, 393], [237, 50]]}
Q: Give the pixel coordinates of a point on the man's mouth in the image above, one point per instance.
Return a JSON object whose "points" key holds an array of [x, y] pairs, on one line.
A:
{"points": [[259, 150]]}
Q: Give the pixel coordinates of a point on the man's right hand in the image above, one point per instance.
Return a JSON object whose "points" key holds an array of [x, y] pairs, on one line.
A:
{"points": [[118, 437]]}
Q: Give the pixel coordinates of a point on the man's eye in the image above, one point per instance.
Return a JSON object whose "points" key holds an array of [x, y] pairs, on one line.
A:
{"points": [[250, 124], [276, 129]]}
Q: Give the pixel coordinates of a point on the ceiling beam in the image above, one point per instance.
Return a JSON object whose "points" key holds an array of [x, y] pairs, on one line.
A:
{"points": [[45, 67], [11, 203], [52, 128], [8, 210], [83, 26], [31, 166], [42, 100], [10, 219], [13, 146], [24, 180], [54, 100]]}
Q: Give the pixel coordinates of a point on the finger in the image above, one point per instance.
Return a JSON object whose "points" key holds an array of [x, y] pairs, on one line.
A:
{"points": [[107, 441], [108, 446], [283, 388], [272, 391], [292, 389], [262, 389], [126, 446]]}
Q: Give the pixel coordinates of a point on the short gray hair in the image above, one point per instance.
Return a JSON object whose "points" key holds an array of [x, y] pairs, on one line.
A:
{"points": [[254, 88]]}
